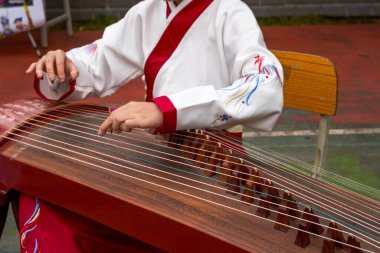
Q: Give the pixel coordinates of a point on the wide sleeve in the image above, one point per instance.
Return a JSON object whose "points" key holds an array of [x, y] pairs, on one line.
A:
{"points": [[254, 98], [103, 65]]}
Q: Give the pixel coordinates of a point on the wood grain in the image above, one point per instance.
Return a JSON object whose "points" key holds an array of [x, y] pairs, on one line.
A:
{"points": [[310, 82]]}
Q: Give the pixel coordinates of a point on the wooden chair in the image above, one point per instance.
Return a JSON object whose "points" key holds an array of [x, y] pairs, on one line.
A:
{"points": [[311, 84]]}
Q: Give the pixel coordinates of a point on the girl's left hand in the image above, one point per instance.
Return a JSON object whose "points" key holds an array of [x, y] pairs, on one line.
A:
{"points": [[131, 115]]}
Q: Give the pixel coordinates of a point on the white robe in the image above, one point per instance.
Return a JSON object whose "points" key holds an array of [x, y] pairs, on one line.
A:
{"points": [[221, 73]]}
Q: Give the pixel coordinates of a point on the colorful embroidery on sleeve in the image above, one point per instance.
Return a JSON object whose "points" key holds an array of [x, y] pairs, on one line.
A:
{"points": [[259, 60], [221, 119], [243, 89], [88, 50]]}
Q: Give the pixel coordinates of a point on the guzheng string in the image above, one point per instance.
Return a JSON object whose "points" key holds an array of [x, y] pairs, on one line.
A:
{"points": [[132, 162], [305, 165], [269, 156], [113, 157], [375, 211], [97, 113], [103, 119], [96, 130], [122, 142], [123, 174], [302, 164]]}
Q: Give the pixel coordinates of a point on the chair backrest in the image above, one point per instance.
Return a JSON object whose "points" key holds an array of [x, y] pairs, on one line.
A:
{"points": [[311, 84]]}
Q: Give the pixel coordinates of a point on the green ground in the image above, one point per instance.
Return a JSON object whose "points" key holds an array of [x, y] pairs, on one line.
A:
{"points": [[9, 240]]}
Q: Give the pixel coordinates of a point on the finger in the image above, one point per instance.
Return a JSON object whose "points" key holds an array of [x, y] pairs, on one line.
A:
{"points": [[107, 124], [123, 107], [31, 68], [60, 65], [72, 69], [122, 126], [116, 126], [135, 123], [129, 124], [50, 62], [40, 67]]}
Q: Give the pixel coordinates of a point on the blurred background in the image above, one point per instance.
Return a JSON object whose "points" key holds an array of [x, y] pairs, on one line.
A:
{"points": [[345, 31]]}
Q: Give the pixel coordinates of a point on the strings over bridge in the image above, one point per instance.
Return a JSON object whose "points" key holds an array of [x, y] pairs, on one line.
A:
{"points": [[257, 179], [199, 190]]}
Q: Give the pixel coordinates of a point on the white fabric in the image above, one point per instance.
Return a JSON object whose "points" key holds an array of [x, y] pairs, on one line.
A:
{"points": [[212, 78]]}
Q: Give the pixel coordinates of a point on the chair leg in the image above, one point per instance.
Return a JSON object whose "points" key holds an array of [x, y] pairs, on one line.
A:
{"points": [[322, 143]]}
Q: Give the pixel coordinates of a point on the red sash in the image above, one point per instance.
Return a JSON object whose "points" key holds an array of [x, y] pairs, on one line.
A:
{"points": [[170, 40]]}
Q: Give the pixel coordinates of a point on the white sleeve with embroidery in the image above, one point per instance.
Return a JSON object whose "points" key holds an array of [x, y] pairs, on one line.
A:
{"points": [[255, 99], [106, 64]]}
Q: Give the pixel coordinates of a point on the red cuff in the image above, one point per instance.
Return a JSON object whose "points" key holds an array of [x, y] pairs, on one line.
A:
{"points": [[37, 89], [169, 114]]}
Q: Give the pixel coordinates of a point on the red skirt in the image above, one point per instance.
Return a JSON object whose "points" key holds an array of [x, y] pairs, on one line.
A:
{"points": [[45, 227]]}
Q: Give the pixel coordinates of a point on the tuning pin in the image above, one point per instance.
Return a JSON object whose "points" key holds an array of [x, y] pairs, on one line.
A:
{"points": [[274, 194], [328, 246], [248, 192], [213, 159], [291, 203], [181, 138], [203, 152], [243, 172], [219, 152], [259, 181], [303, 236], [226, 168], [233, 186], [171, 140], [263, 209], [175, 140], [314, 224], [351, 240], [188, 139], [336, 234], [282, 219], [210, 169], [195, 144]]}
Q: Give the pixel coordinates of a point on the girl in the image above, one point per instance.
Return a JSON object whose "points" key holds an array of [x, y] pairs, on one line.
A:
{"points": [[205, 64]]}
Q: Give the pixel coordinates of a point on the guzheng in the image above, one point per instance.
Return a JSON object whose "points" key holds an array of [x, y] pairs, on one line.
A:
{"points": [[190, 191]]}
